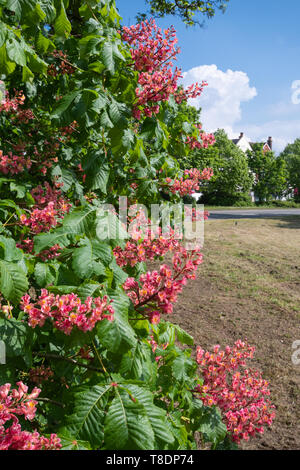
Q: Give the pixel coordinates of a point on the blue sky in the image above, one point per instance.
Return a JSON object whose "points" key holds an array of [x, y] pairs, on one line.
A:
{"points": [[250, 57]]}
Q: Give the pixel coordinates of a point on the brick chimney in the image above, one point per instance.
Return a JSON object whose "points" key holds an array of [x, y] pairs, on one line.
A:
{"points": [[270, 142], [241, 135]]}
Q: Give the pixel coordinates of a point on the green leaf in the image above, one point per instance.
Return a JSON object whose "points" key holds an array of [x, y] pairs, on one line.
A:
{"points": [[107, 56], [15, 52], [3, 33], [13, 281], [6, 66], [85, 261], [80, 221], [96, 168], [44, 274], [87, 421], [118, 112], [43, 44], [17, 337], [156, 415], [183, 336], [46, 240], [62, 25], [127, 425], [183, 367], [118, 335], [63, 106], [20, 7], [212, 427], [109, 227], [8, 249], [69, 442]]}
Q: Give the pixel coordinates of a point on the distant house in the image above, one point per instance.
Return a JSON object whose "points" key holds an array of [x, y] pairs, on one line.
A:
{"points": [[245, 145]]}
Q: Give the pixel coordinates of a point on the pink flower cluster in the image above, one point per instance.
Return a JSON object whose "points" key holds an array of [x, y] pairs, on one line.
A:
{"points": [[238, 392], [15, 403], [12, 104], [67, 311], [63, 67], [189, 183], [195, 214], [206, 141], [191, 92], [154, 346], [156, 291], [28, 246], [49, 208], [147, 248], [40, 374], [153, 53], [13, 164]]}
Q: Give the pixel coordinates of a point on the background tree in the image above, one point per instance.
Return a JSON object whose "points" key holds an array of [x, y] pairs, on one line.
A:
{"points": [[232, 181], [186, 10], [270, 173], [89, 117], [291, 155]]}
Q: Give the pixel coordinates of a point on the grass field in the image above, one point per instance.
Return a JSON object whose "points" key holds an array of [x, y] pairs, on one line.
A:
{"points": [[249, 287]]}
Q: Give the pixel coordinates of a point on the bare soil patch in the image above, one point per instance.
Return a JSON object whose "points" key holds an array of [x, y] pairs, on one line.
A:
{"points": [[248, 287]]}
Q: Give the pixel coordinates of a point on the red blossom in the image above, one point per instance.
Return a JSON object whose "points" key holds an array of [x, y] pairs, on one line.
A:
{"points": [[67, 311], [240, 393]]}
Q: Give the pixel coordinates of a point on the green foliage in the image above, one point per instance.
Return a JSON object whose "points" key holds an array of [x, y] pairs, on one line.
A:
{"points": [[291, 156], [270, 173], [122, 396], [186, 10], [232, 179]]}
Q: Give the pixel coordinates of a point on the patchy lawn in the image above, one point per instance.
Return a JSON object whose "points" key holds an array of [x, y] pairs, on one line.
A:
{"points": [[249, 287]]}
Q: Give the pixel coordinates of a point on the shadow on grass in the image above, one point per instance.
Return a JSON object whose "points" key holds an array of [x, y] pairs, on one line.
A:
{"points": [[289, 222], [285, 221]]}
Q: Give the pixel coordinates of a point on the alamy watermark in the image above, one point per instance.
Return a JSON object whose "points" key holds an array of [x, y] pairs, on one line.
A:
{"points": [[178, 221], [2, 91], [296, 353], [296, 92], [2, 352]]}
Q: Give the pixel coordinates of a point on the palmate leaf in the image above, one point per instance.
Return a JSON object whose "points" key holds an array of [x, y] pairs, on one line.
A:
{"points": [[46, 240], [107, 56], [8, 249], [6, 66], [212, 426], [96, 168], [117, 336], [80, 221], [127, 425], [69, 442], [87, 421], [85, 261], [62, 25], [20, 7], [13, 281], [17, 337], [15, 52], [183, 367], [156, 415], [45, 274]]}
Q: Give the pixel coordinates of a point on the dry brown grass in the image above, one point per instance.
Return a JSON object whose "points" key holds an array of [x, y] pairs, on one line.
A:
{"points": [[249, 287]]}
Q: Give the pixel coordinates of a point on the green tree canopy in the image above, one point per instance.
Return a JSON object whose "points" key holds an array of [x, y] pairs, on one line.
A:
{"points": [[187, 11], [291, 155], [270, 173]]}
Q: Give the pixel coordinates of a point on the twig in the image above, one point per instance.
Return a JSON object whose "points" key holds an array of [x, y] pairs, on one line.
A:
{"points": [[48, 400], [67, 359]]}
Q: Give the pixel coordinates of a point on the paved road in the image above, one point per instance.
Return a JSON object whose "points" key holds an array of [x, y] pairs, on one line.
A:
{"points": [[253, 214]]}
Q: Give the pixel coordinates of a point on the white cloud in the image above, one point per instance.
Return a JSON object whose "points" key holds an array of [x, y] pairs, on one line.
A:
{"points": [[221, 107], [222, 98], [282, 131]]}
